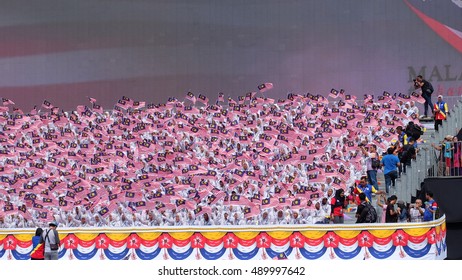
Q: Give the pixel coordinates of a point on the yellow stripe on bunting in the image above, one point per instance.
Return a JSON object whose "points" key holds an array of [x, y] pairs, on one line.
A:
{"points": [[23, 237], [149, 236], [247, 235], [280, 234], [62, 235], [347, 234], [2, 236], [416, 232], [117, 236], [86, 236], [313, 234], [181, 235], [213, 235], [381, 233]]}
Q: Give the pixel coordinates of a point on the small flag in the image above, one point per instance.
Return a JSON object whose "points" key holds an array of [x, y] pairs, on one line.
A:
{"points": [[46, 104], [203, 99], [265, 86]]}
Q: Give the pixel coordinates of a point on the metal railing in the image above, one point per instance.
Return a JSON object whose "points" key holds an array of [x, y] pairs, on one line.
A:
{"points": [[429, 161]]}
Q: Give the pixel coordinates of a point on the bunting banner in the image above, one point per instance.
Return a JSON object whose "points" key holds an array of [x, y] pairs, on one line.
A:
{"points": [[401, 241]]}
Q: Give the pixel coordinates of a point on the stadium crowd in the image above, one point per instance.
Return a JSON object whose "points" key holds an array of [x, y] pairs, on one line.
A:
{"points": [[254, 161]]}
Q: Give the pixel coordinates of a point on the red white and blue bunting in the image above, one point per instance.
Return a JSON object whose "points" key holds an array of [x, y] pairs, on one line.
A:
{"points": [[379, 241]]}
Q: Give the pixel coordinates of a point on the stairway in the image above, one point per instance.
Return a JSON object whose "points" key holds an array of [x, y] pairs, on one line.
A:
{"points": [[426, 139]]}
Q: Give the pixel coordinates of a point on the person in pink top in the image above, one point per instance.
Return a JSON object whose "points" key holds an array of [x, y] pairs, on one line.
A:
{"points": [[382, 203]]}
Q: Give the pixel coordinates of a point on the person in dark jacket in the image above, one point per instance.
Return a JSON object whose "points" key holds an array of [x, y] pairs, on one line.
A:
{"points": [[427, 90], [362, 214]]}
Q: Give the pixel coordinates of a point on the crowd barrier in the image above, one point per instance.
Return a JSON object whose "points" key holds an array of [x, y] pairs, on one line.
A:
{"points": [[401, 241]]}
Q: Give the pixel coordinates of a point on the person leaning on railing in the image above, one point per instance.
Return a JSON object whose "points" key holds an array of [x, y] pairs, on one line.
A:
{"points": [[457, 157], [445, 157]]}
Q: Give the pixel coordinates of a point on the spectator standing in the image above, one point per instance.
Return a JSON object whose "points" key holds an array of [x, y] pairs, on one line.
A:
{"points": [[441, 112], [366, 212], [367, 189], [416, 212], [337, 204], [372, 157], [392, 213], [382, 203], [457, 156], [51, 239], [37, 251], [430, 207], [390, 163], [408, 153], [403, 212]]}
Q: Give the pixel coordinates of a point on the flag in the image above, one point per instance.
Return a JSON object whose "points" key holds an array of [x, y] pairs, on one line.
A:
{"points": [[269, 203], [221, 96], [250, 212], [43, 216], [8, 209], [104, 211], [138, 104], [265, 87], [280, 256], [249, 95], [47, 105], [132, 196], [333, 93], [191, 97], [202, 98], [7, 101], [200, 210], [418, 98], [97, 108]]}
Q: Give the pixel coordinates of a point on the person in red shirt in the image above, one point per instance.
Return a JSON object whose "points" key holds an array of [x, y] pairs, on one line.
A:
{"points": [[337, 205]]}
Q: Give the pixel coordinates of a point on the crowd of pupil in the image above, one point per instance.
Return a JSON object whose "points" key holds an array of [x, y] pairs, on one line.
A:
{"points": [[78, 167]]}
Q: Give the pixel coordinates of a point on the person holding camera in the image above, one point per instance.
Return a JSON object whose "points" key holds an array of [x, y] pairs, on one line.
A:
{"points": [[427, 90]]}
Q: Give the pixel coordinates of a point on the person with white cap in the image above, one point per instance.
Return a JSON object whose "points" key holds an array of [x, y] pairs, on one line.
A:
{"points": [[441, 111], [51, 239]]}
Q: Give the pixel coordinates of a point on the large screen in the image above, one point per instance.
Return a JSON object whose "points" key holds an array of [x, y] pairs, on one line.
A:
{"points": [[67, 51]]}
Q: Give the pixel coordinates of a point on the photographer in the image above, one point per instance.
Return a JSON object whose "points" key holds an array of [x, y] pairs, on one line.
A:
{"points": [[427, 90]]}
